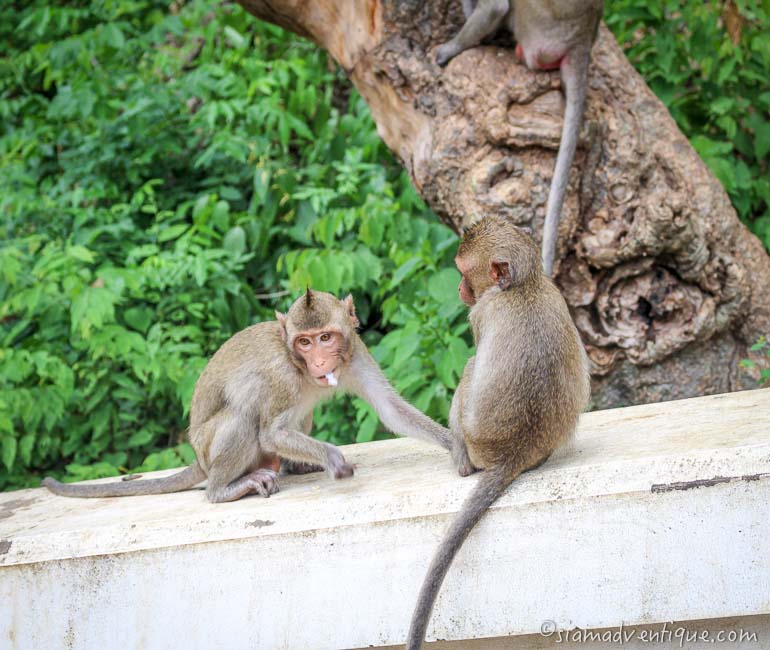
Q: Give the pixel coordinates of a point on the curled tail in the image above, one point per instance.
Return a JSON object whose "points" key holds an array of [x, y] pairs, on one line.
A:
{"points": [[183, 480], [492, 483], [574, 75]]}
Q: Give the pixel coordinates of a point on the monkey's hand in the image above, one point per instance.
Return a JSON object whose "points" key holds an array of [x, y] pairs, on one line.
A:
{"points": [[336, 465], [297, 467], [461, 459], [446, 52]]}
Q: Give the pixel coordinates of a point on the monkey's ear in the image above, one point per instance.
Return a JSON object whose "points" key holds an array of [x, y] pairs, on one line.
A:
{"points": [[348, 302], [281, 318], [501, 274]]}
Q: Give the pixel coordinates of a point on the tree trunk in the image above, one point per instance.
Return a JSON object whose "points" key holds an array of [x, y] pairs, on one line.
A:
{"points": [[666, 286]]}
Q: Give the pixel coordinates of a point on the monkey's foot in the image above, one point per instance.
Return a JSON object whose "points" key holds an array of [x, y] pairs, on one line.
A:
{"points": [[446, 52], [462, 461], [297, 467], [263, 482]]}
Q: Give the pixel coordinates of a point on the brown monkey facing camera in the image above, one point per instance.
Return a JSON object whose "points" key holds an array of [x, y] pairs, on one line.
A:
{"points": [[254, 402], [520, 396], [551, 35]]}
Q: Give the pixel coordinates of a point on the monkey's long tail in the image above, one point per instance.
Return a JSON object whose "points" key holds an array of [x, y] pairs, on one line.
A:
{"points": [[574, 74], [183, 480], [491, 485]]}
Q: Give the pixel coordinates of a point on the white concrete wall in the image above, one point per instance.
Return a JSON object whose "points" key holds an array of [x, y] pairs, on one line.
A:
{"points": [[658, 513]]}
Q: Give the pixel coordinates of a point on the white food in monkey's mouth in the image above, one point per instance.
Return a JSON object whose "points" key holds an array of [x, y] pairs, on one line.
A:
{"points": [[331, 378]]}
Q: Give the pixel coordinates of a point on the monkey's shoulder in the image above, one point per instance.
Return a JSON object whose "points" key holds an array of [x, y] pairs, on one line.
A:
{"points": [[253, 362], [536, 322]]}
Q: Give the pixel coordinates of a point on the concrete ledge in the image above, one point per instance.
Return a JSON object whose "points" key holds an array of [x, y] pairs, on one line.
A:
{"points": [[658, 513]]}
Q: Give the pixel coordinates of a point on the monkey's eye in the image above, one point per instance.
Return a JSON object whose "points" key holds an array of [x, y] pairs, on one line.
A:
{"points": [[304, 342], [325, 336]]}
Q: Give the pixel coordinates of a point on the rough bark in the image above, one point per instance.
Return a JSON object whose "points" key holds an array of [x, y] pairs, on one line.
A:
{"points": [[665, 284]]}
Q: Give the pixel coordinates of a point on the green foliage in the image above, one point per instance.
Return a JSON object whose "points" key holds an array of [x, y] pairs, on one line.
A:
{"points": [[162, 170], [760, 350], [716, 88]]}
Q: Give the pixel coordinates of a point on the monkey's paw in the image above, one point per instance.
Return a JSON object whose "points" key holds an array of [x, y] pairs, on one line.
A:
{"points": [[466, 469], [446, 52], [263, 482], [345, 470], [336, 465], [462, 461]]}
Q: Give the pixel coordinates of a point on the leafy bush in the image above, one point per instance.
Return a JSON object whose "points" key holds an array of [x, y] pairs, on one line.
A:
{"points": [[709, 62], [171, 174], [161, 172]]}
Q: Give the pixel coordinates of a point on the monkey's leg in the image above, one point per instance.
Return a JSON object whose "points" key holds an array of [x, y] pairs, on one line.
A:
{"points": [[269, 461], [263, 482], [459, 449], [296, 446], [468, 7], [234, 457], [295, 467], [485, 19]]}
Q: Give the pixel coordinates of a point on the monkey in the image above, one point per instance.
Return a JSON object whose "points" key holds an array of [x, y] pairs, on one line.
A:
{"points": [[252, 405], [520, 396], [550, 35]]}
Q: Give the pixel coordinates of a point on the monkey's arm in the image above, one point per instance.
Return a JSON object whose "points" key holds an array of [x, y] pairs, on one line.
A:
{"points": [[293, 445], [484, 20], [368, 382], [296, 467]]}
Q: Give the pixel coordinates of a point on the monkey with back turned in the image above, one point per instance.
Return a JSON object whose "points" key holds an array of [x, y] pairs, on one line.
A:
{"points": [[254, 403], [550, 35], [520, 396]]}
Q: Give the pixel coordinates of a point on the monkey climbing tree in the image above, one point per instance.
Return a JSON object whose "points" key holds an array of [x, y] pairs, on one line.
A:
{"points": [[665, 284]]}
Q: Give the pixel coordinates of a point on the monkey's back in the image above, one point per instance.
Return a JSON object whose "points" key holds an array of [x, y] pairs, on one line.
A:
{"points": [[531, 380], [251, 374]]}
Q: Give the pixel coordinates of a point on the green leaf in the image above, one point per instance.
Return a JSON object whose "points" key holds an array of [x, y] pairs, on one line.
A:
{"points": [[762, 141], [80, 253], [140, 318], [26, 444], [722, 105], [140, 438], [172, 232], [235, 240], [442, 286], [9, 446], [220, 215], [367, 428], [114, 36], [403, 271], [235, 38], [92, 308]]}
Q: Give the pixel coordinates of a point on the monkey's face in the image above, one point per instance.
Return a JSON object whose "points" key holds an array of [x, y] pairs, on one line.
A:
{"points": [[475, 281], [323, 352], [467, 295]]}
